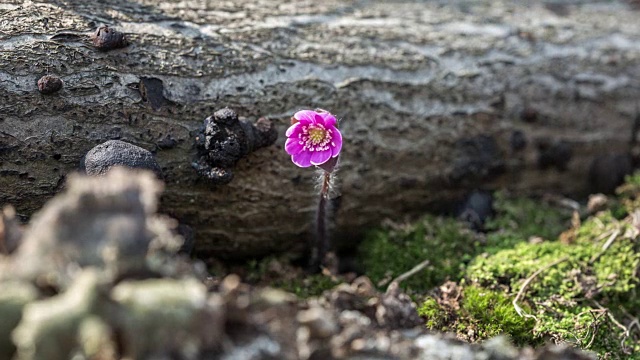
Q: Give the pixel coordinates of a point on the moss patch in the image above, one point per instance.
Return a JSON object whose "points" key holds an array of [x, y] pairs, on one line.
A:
{"points": [[387, 253], [311, 285], [629, 194], [518, 219], [475, 313], [450, 246], [579, 287]]}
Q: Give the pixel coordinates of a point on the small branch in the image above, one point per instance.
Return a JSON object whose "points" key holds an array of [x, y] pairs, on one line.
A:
{"points": [[625, 334], [519, 310], [634, 320], [610, 240], [416, 269], [594, 328], [606, 246]]}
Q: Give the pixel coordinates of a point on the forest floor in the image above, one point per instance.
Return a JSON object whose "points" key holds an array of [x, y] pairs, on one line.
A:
{"points": [[97, 267], [540, 271]]}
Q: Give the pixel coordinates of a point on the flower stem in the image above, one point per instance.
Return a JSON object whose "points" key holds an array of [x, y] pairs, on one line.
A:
{"points": [[321, 245]]}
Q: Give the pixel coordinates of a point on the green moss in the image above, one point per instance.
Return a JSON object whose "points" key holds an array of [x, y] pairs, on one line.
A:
{"points": [[449, 246], [573, 290], [577, 289], [629, 194], [518, 219], [478, 314], [492, 314], [387, 253], [508, 268], [527, 217], [311, 285], [598, 267], [581, 290], [434, 313]]}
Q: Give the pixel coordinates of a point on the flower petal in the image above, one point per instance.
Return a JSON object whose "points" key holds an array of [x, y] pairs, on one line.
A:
{"points": [[292, 128], [302, 159], [329, 119], [292, 146], [318, 119], [320, 157], [305, 116], [337, 140]]}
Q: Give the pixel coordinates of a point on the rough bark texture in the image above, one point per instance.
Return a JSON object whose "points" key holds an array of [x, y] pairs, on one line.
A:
{"points": [[435, 100]]}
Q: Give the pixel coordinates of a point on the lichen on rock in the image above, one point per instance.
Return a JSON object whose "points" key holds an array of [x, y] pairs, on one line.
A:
{"points": [[101, 222]]}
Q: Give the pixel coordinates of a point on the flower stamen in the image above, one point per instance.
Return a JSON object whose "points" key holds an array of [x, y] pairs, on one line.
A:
{"points": [[315, 137]]}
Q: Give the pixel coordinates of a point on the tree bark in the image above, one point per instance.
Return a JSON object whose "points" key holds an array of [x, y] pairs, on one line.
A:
{"points": [[434, 100]]}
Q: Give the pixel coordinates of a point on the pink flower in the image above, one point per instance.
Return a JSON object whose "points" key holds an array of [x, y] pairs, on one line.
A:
{"points": [[313, 139]]}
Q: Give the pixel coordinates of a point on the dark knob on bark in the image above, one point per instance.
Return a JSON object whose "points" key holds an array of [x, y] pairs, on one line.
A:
{"points": [[49, 84], [106, 38], [224, 139]]}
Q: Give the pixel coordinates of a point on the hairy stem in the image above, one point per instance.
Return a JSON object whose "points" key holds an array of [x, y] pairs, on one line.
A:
{"points": [[322, 237]]}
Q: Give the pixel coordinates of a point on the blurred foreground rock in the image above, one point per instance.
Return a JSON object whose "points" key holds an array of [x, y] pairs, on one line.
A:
{"points": [[97, 276]]}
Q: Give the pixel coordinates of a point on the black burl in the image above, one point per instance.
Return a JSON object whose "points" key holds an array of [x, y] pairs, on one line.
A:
{"points": [[223, 140], [49, 84], [103, 157], [105, 39]]}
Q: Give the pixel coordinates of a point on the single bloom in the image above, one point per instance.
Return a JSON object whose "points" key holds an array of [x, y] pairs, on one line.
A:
{"points": [[313, 139]]}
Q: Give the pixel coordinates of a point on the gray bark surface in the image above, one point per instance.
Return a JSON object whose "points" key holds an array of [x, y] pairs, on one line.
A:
{"points": [[434, 99]]}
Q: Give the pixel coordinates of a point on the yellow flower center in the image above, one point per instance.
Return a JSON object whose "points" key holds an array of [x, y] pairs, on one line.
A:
{"points": [[317, 135]]}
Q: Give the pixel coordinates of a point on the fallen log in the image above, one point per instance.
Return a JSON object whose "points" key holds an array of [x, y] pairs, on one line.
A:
{"points": [[435, 100]]}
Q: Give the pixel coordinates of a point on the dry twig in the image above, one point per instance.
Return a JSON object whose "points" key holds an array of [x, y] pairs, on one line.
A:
{"points": [[606, 246], [416, 269], [634, 320], [616, 322], [519, 310]]}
